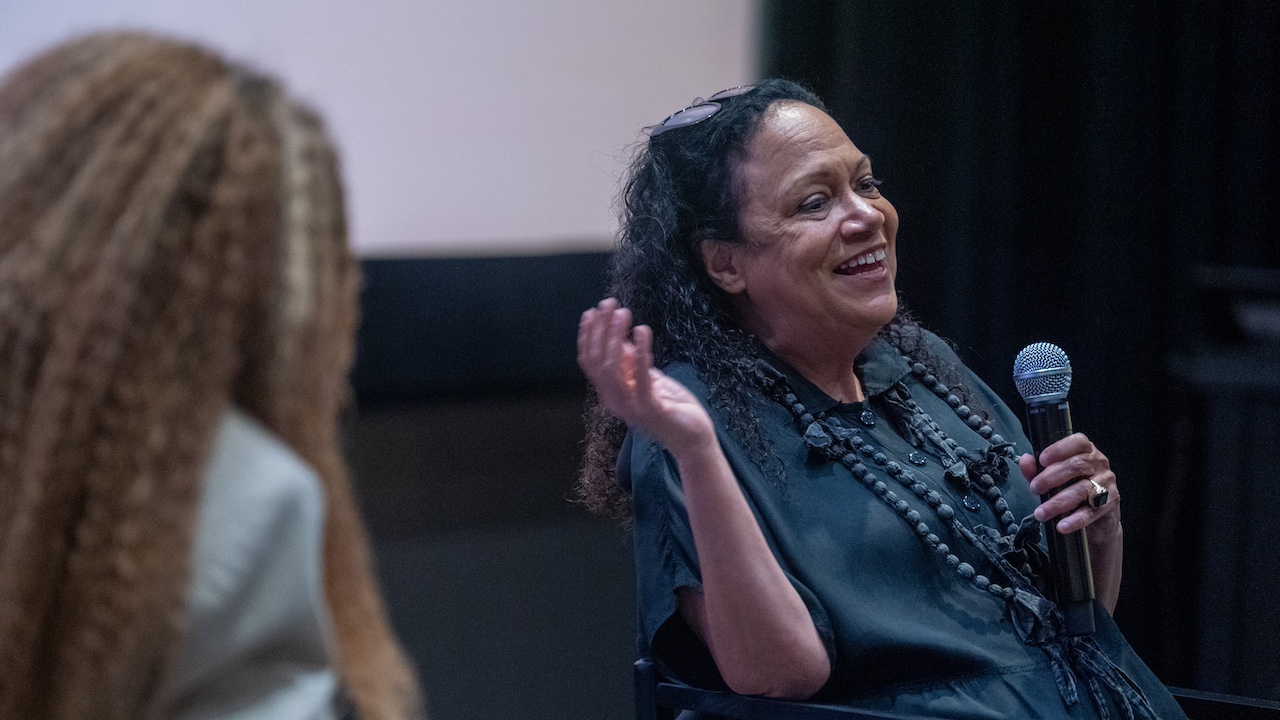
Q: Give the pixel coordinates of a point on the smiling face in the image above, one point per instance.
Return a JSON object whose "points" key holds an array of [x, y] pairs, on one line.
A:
{"points": [[816, 274]]}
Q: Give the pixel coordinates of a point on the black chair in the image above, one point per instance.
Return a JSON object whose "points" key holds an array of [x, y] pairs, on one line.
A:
{"points": [[658, 698], [1200, 705]]}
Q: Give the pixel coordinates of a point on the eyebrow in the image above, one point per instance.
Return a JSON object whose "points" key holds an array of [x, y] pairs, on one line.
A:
{"points": [[824, 170]]}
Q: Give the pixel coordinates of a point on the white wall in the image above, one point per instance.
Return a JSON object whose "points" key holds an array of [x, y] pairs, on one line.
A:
{"points": [[466, 127]]}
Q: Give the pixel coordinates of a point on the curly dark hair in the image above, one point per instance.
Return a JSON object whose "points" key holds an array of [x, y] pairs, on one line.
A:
{"points": [[682, 191]]}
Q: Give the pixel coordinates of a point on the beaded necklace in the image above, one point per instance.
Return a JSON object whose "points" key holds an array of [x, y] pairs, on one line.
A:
{"points": [[827, 438], [1034, 618]]}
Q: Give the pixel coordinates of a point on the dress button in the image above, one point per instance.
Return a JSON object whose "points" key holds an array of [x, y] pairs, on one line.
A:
{"points": [[917, 458], [867, 418]]}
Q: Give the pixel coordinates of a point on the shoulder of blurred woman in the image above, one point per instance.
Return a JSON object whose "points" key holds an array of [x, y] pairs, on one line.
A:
{"points": [[255, 603], [248, 454], [257, 492]]}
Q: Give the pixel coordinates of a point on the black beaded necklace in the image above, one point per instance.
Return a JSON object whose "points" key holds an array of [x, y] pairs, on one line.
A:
{"points": [[827, 438], [1034, 619]]}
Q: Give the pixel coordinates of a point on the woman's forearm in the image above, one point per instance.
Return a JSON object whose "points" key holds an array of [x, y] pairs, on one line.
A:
{"points": [[748, 613], [1106, 557]]}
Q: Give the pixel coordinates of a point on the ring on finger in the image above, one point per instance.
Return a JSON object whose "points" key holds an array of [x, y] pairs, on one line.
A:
{"points": [[1098, 495]]}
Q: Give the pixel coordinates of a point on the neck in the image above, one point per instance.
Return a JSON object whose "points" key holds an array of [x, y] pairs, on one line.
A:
{"points": [[823, 353], [827, 365]]}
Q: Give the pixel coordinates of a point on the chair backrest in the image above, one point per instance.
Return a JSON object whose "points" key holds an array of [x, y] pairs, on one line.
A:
{"points": [[658, 698], [1199, 705]]}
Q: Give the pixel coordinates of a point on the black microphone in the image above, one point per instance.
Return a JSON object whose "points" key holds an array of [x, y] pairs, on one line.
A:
{"points": [[1042, 373]]}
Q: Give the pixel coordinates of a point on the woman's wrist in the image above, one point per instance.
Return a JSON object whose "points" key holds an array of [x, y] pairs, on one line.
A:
{"points": [[1106, 532], [694, 458]]}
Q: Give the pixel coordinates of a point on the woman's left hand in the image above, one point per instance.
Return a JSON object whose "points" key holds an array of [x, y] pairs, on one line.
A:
{"points": [[1069, 466]]}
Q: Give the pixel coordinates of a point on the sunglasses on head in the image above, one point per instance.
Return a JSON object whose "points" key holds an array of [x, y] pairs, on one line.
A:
{"points": [[700, 110]]}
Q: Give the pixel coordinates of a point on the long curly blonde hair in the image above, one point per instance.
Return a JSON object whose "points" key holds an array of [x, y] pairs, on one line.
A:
{"points": [[172, 241]]}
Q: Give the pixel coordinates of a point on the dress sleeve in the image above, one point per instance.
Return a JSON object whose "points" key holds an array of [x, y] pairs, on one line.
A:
{"points": [[667, 560]]}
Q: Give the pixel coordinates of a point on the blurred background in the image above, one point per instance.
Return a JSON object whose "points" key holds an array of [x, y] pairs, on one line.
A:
{"points": [[1104, 176]]}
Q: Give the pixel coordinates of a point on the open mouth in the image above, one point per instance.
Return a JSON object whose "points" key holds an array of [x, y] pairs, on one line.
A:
{"points": [[865, 262]]}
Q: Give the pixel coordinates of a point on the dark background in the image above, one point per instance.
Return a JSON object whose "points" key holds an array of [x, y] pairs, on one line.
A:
{"points": [[1099, 175], [1103, 176]]}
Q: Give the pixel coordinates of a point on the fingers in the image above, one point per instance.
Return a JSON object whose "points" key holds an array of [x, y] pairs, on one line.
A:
{"points": [[617, 329], [595, 341], [591, 329], [1073, 444], [642, 360], [1072, 508], [613, 362], [1064, 461], [1027, 464], [1085, 515], [1068, 466]]}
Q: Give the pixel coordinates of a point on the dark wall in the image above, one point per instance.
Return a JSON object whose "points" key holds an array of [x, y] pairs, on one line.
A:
{"points": [[1063, 172], [455, 327], [463, 445]]}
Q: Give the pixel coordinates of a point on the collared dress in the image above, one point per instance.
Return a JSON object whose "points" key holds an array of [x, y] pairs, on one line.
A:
{"points": [[904, 632]]}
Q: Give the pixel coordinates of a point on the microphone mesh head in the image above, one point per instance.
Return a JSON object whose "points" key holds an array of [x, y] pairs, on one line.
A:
{"points": [[1042, 372]]}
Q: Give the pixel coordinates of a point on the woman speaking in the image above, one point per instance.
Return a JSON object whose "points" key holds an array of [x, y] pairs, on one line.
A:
{"points": [[827, 504]]}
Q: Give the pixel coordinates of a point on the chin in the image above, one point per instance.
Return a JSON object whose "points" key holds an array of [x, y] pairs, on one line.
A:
{"points": [[886, 308], [875, 319]]}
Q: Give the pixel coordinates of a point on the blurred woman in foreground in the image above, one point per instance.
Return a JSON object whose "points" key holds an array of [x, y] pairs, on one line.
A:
{"points": [[178, 536]]}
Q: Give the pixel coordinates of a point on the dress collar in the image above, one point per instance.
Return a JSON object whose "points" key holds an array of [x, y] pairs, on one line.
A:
{"points": [[880, 366]]}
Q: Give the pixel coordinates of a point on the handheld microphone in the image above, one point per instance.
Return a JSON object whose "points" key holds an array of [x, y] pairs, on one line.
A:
{"points": [[1042, 373]]}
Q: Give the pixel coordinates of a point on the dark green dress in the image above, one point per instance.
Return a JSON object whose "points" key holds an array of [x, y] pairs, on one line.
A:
{"points": [[904, 632]]}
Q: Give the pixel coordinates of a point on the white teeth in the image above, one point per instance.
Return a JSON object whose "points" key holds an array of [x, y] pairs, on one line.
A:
{"points": [[871, 257]]}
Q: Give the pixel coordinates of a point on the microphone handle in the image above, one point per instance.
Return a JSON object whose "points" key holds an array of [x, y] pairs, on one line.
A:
{"points": [[1068, 554]]}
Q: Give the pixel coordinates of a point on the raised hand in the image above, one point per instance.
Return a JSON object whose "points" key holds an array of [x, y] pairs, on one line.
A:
{"points": [[618, 360]]}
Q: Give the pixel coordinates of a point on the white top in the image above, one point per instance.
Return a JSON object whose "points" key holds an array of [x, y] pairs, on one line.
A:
{"points": [[259, 635]]}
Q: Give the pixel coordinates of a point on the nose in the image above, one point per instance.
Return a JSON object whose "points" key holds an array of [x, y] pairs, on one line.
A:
{"points": [[861, 217]]}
